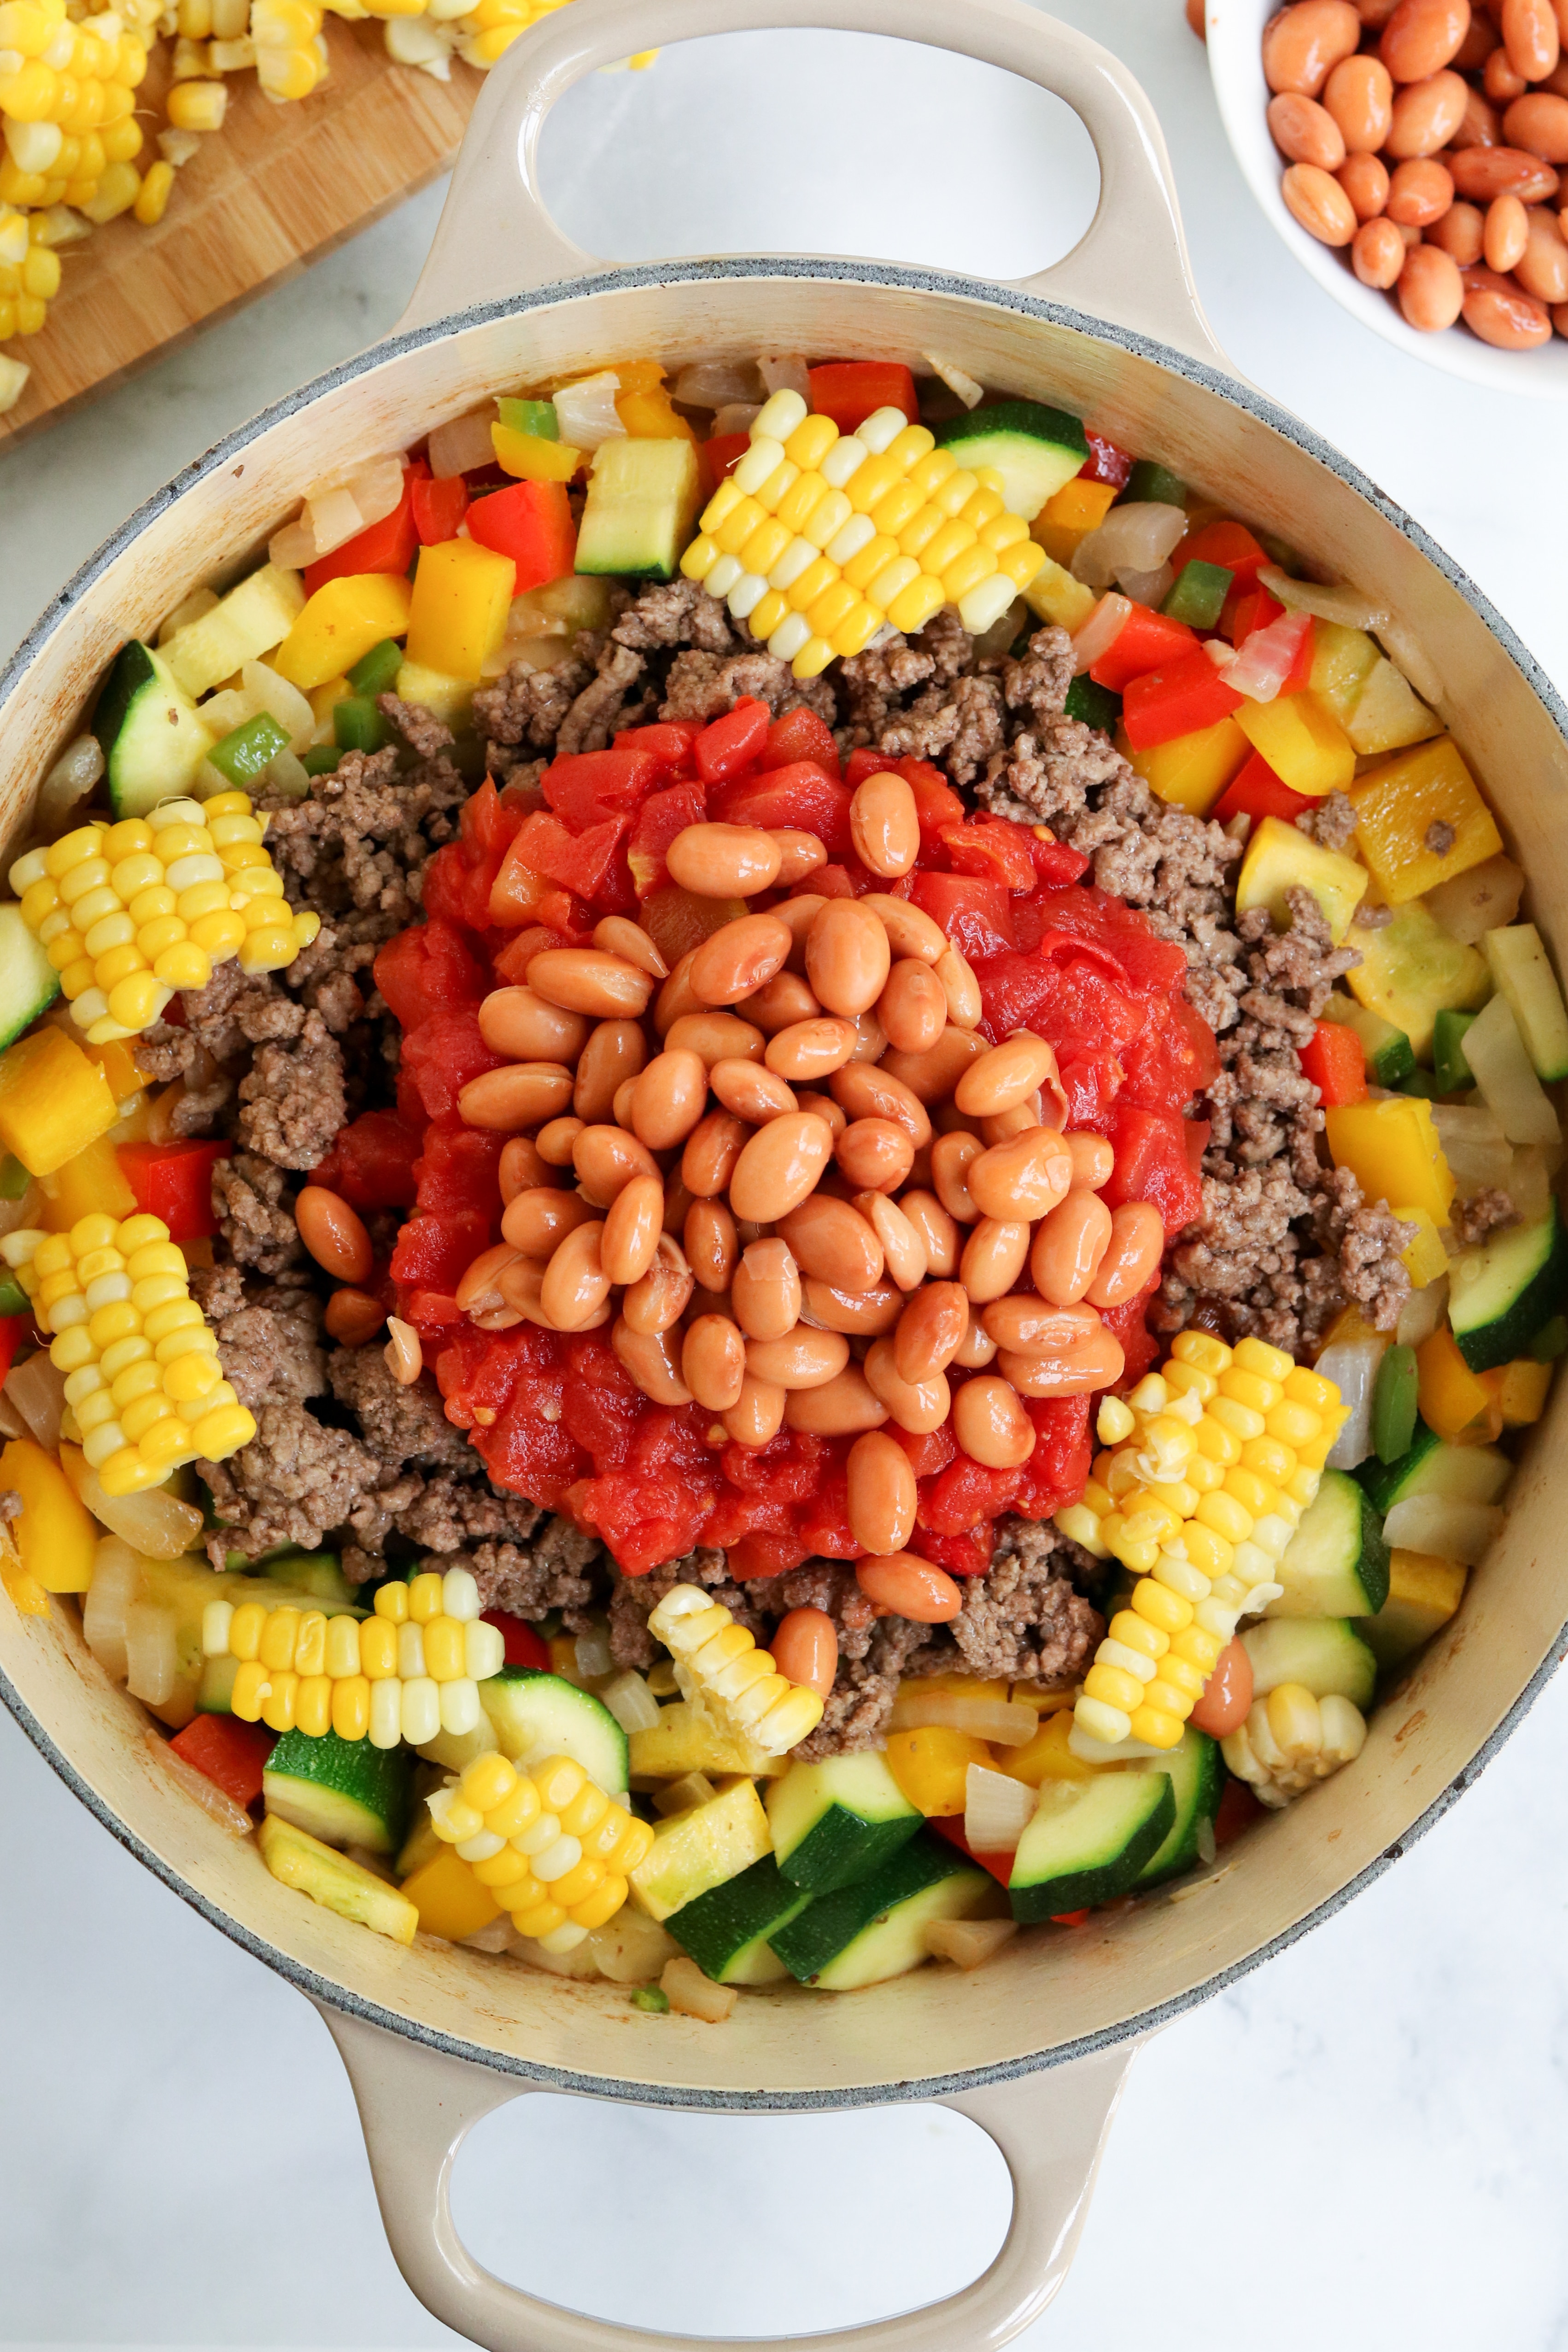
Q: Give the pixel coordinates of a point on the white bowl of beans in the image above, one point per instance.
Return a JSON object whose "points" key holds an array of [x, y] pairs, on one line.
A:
{"points": [[1386, 142]]}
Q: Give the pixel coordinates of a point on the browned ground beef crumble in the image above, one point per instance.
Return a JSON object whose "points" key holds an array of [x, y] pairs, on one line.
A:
{"points": [[277, 1065]]}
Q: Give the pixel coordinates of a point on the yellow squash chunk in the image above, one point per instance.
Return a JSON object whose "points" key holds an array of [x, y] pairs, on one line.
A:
{"points": [[450, 699], [1398, 805], [1053, 594], [1453, 1399], [1068, 518], [1191, 772], [245, 624], [1392, 1149], [687, 1739], [1423, 1593], [461, 595], [699, 1849], [529, 457], [329, 1878], [1302, 741], [1411, 970], [92, 1180], [55, 1536], [1280, 858], [448, 1899], [1342, 661], [1521, 1390], [648, 415], [54, 1101], [1388, 714], [340, 625], [1426, 1258], [26, 1594]]}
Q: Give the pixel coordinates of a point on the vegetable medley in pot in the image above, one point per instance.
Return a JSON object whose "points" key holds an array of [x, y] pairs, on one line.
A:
{"points": [[779, 1182]]}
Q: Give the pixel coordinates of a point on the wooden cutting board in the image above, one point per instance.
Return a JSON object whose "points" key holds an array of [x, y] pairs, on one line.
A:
{"points": [[276, 188]]}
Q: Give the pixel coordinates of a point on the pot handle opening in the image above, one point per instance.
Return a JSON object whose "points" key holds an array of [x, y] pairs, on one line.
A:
{"points": [[496, 237], [418, 2106]]}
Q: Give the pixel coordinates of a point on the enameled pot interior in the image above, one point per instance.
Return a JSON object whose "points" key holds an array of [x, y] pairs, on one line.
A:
{"points": [[1051, 1990]]}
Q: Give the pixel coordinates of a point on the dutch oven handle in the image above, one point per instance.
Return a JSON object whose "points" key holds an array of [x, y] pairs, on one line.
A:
{"points": [[417, 2106], [496, 238]]}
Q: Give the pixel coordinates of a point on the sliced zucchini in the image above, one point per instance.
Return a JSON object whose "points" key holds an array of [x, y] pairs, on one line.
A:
{"points": [[1454, 1073], [1196, 1774], [642, 502], [1326, 1653], [320, 1573], [1423, 1593], [1088, 1841], [1389, 1055], [1034, 448], [215, 1692], [1460, 1474], [699, 1849], [28, 980], [1523, 975], [839, 1821], [727, 1931], [1094, 706], [1336, 1563], [345, 1791], [864, 1934], [1504, 1291], [153, 739], [536, 1714], [1411, 971]]}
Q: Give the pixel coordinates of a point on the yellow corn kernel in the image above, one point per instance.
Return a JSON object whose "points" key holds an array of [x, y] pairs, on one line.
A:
{"points": [[197, 105]]}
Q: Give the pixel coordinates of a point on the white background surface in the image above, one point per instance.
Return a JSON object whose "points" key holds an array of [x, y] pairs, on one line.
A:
{"points": [[1369, 2136]]}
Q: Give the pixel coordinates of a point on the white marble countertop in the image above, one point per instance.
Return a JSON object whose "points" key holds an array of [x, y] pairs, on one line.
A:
{"points": [[1372, 2134]]}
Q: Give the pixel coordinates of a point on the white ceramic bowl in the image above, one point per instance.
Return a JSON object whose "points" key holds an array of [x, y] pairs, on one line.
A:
{"points": [[1236, 67]]}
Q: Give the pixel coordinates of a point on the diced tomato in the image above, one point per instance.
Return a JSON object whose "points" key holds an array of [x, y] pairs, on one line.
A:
{"points": [[441, 1055], [434, 1253], [994, 848], [457, 885], [489, 820], [1151, 1164], [963, 1494], [669, 740], [1186, 696], [1230, 545], [802, 797], [729, 744], [974, 915], [1145, 640], [459, 1169], [174, 1181], [1129, 1324], [719, 456], [1258, 792], [573, 861], [800, 734], [1056, 1472], [1055, 864], [531, 522], [851, 390], [384, 546], [1336, 1064], [438, 508], [585, 787], [14, 1329], [229, 1752], [425, 969], [961, 1555], [661, 816], [372, 1163], [1105, 462], [524, 1647]]}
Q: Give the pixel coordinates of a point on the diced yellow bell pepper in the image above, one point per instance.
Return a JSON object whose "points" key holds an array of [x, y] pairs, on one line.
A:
{"points": [[1280, 858], [1053, 594], [450, 699], [1520, 1390], [532, 458], [324, 699], [994, 1687], [92, 1180], [340, 624], [1342, 661], [1076, 509], [634, 375], [1426, 1258], [1302, 741], [932, 1766], [461, 595], [448, 1899], [1423, 1593], [1453, 1399], [54, 1101], [118, 1064], [26, 1594], [1047, 1756], [1392, 1148], [56, 1534], [1396, 808], [1191, 772], [648, 416], [1411, 970]]}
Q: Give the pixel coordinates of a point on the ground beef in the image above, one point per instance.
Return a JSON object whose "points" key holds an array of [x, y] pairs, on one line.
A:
{"points": [[1483, 1212], [1046, 774], [674, 613], [428, 736], [1439, 837], [356, 849], [873, 685], [605, 704], [445, 1512], [292, 1104], [253, 1204], [703, 686], [269, 1337], [402, 1426], [1329, 822], [557, 1567], [864, 1689], [293, 1483], [1364, 1243], [522, 712], [961, 722], [1024, 1619], [632, 1600]]}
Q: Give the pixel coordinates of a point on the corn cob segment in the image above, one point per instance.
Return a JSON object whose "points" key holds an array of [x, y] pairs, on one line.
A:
{"points": [[1291, 1740], [553, 1849], [408, 1672], [1214, 1460], [130, 912], [143, 1375], [720, 1670], [67, 94], [819, 539]]}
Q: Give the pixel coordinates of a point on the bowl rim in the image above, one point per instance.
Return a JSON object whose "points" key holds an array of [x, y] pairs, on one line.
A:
{"points": [[1235, 71], [1236, 393]]}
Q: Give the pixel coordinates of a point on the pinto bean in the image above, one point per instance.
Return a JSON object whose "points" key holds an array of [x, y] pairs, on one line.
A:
{"points": [[1501, 80], [1419, 192], [713, 1361], [910, 930], [1092, 1161], [875, 1154], [917, 1406], [864, 1314], [575, 1285], [334, 1234], [712, 1246], [713, 1151], [1377, 254], [1365, 179], [952, 1158], [479, 1285], [779, 1003], [755, 1419], [1076, 1372], [1507, 233], [1359, 96], [1136, 1243], [1301, 46], [779, 1166], [537, 1219], [677, 997], [977, 1348], [657, 1301], [882, 1497], [764, 1294], [846, 957], [1501, 315], [803, 1359], [723, 861], [582, 979], [903, 1247], [825, 1108], [874, 1093], [885, 826], [797, 916], [651, 1358], [554, 1141], [616, 1051], [632, 1229], [523, 1026], [932, 1076], [1305, 131], [831, 1241], [800, 853], [813, 1048], [805, 1649], [1543, 268], [1036, 1327], [1316, 200], [961, 989], [938, 1232], [517, 1096], [990, 1425], [1068, 1244], [354, 1317], [1025, 1177], [931, 1331], [1421, 36], [521, 1168], [1531, 37], [994, 1257], [753, 1094], [912, 1008], [1538, 122], [902, 1585], [1460, 233], [1480, 174], [1480, 125], [739, 956], [617, 936], [605, 1159], [715, 1036], [1431, 292], [840, 1408], [668, 1098], [1426, 115]]}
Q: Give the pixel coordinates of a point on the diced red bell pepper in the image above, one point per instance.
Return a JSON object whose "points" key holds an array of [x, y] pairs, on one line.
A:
{"points": [[850, 390], [227, 1752], [669, 740], [1151, 1164], [800, 734], [718, 457], [426, 970], [1144, 640], [1247, 611], [950, 1827], [1105, 462], [384, 546], [372, 1163], [174, 1181], [438, 508], [1334, 1061], [1229, 545], [585, 787], [661, 816], [802, 798], [1181, 698], [1258, 792], [531, 522], [524, 1647], [730, 744], [997, 850], [573, 861], [14, 1329], [975, 916]]}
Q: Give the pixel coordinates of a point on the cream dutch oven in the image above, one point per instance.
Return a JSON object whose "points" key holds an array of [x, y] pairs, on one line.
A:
{"points": [[1033, 2046]]}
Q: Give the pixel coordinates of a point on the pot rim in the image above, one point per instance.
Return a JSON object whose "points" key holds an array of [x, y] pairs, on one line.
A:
{"points": [[914, 280]]}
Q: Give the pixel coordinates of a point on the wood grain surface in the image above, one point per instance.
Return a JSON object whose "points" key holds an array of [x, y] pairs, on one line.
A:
{"points": [[276, 188]]}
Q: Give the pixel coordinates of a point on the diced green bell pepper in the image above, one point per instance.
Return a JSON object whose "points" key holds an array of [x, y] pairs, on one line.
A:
{"points": [[376, 671], [13, 1297], [14, 1178], [1155, 483], [1454, 1074], [535, 416], [1197, 596], [1394, 1405], [1549, 1341], [357, 724], [1092, 705], [652, 1998], [1421, 1083], [248, 750], [320, 760]]}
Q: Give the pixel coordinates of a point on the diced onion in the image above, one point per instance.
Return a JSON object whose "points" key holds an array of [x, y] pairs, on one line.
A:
{"points": [[784, 372], [1406, 652], [1529, 1182], [1514, 1094], [116, 1582], [997, 1810], [1148, 588], [1353, 1366], [1137, 537], [154, 1523], [1474, 1145], [71, 780], [1346, 605], [633, 1948], [577, 1962], [716, 383], [1100, 631], [957, 380], [294, 546], [206, 1793], [289, 775], [332, 517], [968, 1942], [593, 1653], [1267, 658], [38, 1389], [1206, 1847], [1485, 898], [464, 444], [1008, 1724], [631, 1703], [1421, 1313], [1450, 1530], [151, 1652], [585, 412], [376, 487], [273, 694]]}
